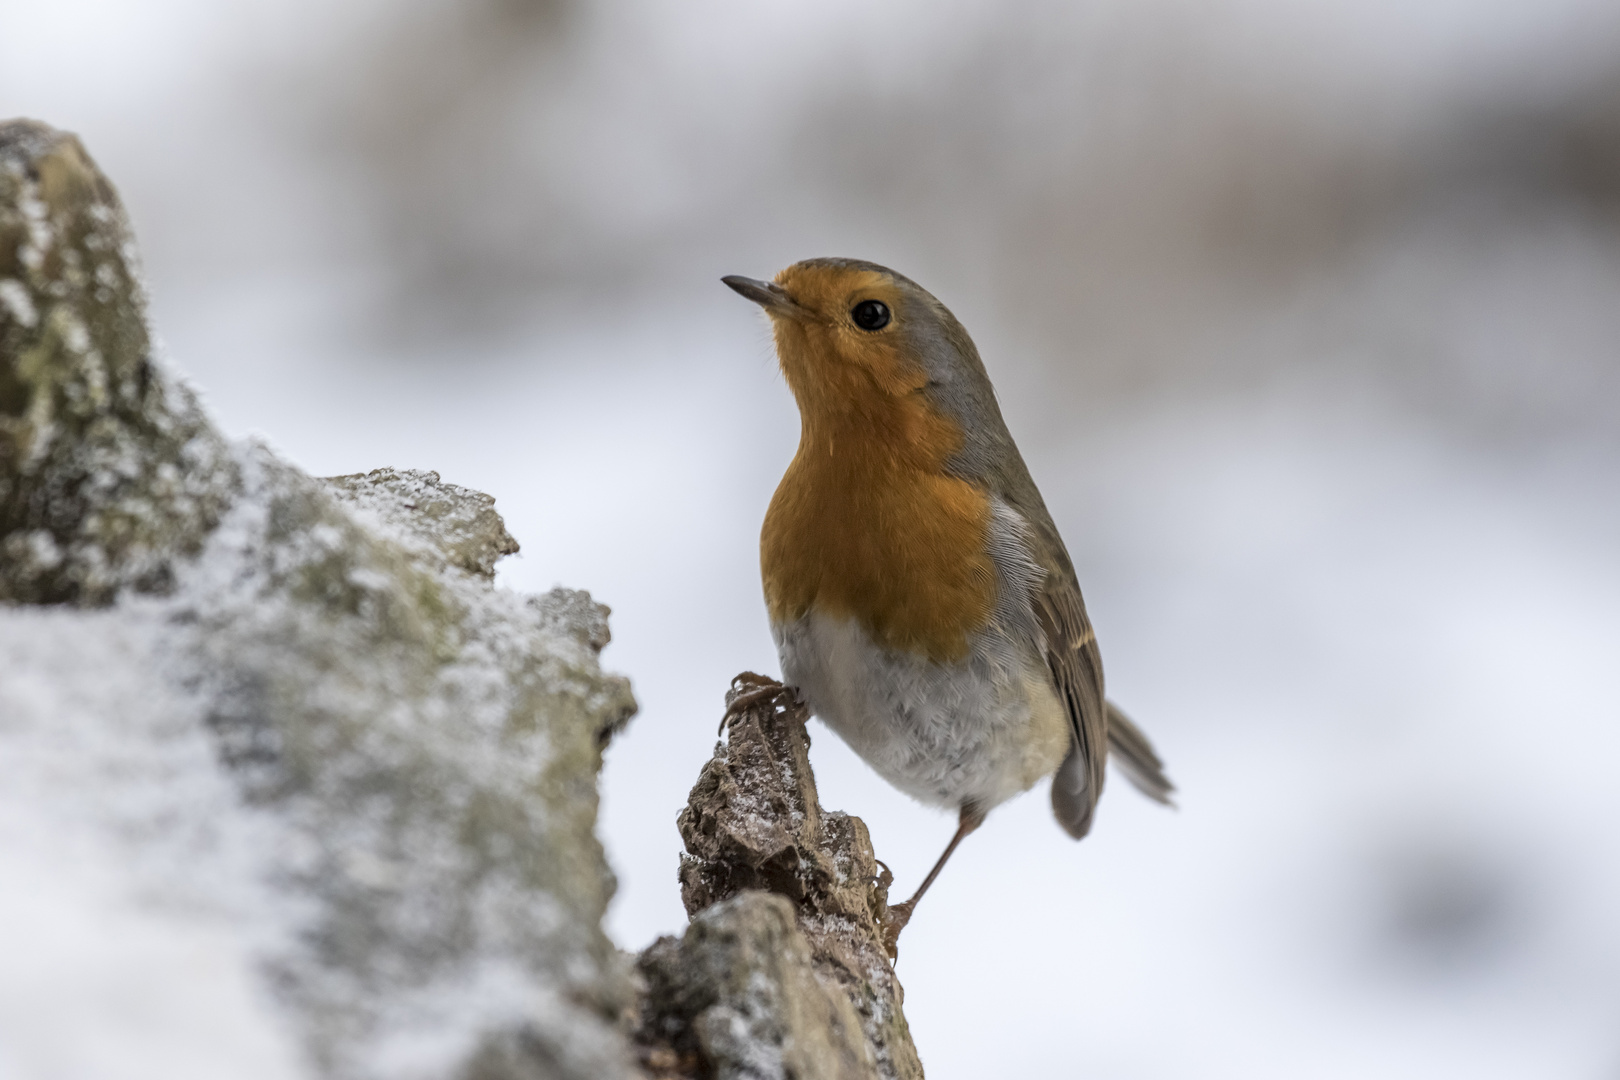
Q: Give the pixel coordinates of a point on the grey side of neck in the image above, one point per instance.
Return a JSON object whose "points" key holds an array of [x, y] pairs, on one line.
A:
{"points": [[962, 391]]}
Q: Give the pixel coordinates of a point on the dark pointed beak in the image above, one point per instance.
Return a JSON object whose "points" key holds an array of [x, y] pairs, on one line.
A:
{"points": [[767, 294]]}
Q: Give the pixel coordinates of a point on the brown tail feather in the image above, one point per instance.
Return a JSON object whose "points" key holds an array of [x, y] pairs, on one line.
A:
{"points": [[1135, 757]]}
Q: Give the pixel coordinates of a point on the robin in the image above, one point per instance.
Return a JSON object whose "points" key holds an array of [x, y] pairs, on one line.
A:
{"points": [[922, 601]]}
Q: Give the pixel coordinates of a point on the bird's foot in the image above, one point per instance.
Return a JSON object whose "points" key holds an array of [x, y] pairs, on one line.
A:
{"points": [[885, 879], [899, 915], [749, 690]]}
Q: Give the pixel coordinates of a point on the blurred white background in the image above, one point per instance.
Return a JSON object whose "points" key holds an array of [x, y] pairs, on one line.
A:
{"points": [[1306, 317]]}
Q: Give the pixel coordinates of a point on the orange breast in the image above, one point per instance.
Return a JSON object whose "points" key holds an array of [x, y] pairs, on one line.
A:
{"points": [[866, 525]]}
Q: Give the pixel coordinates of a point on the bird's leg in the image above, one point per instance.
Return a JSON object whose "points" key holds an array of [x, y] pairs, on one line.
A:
{"points": [[900, 914]]}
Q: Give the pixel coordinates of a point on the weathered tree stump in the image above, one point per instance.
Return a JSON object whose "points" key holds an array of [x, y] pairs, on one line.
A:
{"points": [[776, 886]]}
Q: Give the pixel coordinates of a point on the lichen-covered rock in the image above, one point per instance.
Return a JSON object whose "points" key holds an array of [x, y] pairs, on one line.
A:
{"points": [[108, 469], [458, 525], [303, 715], [754, 822], [431, 743]]}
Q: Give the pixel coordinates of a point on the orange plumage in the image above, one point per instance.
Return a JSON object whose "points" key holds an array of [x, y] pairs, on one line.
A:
{"points": [[866, 523]]}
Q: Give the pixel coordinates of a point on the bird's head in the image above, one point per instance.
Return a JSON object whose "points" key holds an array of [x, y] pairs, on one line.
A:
{"points": [[867, 350], [848, 331]]}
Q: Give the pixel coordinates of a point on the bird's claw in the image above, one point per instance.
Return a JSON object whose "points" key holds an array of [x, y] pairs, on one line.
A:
{"points": [[761, 689], [894, 922]]}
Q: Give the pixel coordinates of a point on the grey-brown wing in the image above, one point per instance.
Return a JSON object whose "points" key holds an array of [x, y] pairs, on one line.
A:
{"points": [[1076, 666], [1035, 567]]}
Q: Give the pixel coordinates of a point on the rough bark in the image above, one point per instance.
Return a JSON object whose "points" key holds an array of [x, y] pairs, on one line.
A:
{"points": [[769, 874]]}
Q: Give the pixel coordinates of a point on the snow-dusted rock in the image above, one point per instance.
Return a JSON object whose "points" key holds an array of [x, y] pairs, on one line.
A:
{"points": [[291, 788], [108, 470]]}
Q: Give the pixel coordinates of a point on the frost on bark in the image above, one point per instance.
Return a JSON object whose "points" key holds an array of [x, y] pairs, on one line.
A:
{"points": [[783, 971]]}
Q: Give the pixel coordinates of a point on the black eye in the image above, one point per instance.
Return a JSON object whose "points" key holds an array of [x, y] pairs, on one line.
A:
{"points": [[870, 314]]}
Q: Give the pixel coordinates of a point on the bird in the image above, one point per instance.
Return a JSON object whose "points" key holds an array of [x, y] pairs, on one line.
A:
{"points": [[922, 602]]}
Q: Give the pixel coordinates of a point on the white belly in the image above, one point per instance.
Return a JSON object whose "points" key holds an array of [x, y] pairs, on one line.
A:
{"points": [[982, 730]]}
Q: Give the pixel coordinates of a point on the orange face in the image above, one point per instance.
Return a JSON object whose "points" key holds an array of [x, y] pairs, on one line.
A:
{"points": [[822, 348]]}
